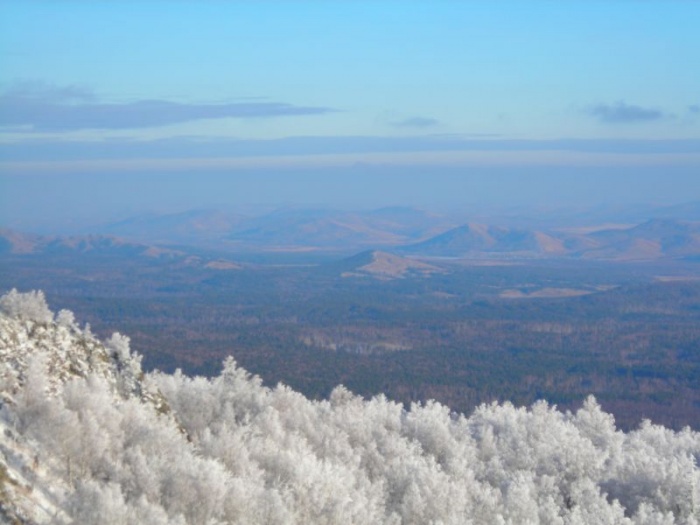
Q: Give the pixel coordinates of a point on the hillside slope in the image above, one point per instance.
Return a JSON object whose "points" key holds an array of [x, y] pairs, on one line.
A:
{"points": [[104, 247], [474, 239], [385, 266], [650, 240], [87, 438]]}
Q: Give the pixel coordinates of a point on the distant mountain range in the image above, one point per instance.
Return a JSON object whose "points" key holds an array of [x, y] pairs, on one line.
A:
{"points": [[285, 228], [191, 227], [16, 243], [415, 232], [407, 234], [21, 243], [484, 239], [649, 240], [654, 239]]}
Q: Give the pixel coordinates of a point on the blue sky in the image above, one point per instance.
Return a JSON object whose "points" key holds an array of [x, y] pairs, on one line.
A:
{"points": [[95, 91]]}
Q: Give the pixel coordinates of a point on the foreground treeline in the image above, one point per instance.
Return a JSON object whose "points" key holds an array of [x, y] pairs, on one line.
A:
{"points": [[87, 439]]}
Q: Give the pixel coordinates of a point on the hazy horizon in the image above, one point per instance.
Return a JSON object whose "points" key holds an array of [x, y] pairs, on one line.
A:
{"points": [[55, 204], [109, 108]]}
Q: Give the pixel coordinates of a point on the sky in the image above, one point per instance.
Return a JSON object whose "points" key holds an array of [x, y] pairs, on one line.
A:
{"points": [[116, 107]]}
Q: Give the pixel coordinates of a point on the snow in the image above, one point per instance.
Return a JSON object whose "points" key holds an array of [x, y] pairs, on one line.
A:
{"points": [[86, 438]]}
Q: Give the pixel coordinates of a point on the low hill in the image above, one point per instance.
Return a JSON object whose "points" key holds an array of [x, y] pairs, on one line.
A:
{"points": [[383, 265]]}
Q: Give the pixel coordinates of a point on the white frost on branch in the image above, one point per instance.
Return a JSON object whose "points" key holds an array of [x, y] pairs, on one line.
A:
{"points": [[30, 306], [229, 450]]}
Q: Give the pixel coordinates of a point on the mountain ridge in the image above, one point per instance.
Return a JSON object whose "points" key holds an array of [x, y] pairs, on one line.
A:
{"points": [[97, 245], [319, 231], [652, 239]]}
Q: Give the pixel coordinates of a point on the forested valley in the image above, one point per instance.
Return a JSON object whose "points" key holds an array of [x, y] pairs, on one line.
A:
{"points": [[627, 333]]}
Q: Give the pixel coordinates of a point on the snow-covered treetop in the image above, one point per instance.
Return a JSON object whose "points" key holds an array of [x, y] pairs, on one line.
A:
{"points": [[29, 306], [228, 450], [28, 330]]}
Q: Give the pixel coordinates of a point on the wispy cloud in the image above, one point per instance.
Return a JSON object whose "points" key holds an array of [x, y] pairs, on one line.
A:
{"points": [[48, 92], [197, 147], [416, 122], [48, 108], [623, 113], [428, 159], [193, 153]]}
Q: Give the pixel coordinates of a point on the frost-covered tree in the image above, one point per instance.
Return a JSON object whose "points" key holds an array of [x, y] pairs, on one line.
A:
{"points": [[101, 445], [66, 319], [29, 306]]}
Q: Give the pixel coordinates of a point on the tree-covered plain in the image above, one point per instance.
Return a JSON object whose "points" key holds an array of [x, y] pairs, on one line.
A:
{"points": [[630, 334]]}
